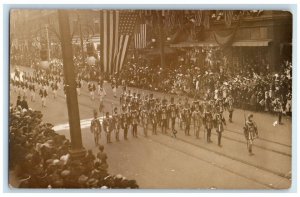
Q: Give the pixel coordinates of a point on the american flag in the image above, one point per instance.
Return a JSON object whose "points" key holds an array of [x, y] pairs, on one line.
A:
{"points": [[140, 37], [115, 33]]}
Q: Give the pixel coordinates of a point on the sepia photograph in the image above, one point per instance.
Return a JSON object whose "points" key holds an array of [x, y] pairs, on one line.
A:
{"points": [[150, 99]]}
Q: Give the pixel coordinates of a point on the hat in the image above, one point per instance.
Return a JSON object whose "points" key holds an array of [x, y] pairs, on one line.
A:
{"points": [[82, 179], [65, 173]]}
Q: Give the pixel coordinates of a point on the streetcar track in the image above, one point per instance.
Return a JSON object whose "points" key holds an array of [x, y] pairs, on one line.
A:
{"points": [[232, 158], [213, 164]]}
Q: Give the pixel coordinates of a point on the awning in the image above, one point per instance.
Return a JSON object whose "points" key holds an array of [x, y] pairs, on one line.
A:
{"points": [[195, 44], [243, 43], [251, 43]]}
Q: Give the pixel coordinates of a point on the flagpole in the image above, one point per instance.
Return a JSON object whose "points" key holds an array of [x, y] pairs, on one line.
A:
{"points": [[161, 40]]}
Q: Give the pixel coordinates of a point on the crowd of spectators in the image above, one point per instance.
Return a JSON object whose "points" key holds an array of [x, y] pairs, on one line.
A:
{"points": [[40, 157], [252, 84]]}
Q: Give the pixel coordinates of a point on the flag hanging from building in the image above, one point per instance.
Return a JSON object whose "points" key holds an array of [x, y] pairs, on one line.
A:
{"points": [[116, 29], [140, 36]]}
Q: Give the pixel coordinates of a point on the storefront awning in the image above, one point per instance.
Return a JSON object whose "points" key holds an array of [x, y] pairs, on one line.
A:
{"points": [[243, 43], [195, 44], [251, 43]]}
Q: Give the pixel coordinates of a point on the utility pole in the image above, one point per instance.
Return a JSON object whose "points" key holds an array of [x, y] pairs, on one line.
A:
{"points": [[161, 40], [81, 40], [77, 150], [48, 42]]}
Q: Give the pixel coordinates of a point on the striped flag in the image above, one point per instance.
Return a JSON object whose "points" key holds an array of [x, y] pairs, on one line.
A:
{"points": [[116, 28], [140, 37]]}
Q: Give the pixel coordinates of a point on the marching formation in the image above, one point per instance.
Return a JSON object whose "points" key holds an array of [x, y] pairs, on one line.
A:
{"points": [[152, 115]]}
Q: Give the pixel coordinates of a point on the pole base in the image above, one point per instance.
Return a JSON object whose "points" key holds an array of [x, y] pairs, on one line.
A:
{"points": [[77, 153]]}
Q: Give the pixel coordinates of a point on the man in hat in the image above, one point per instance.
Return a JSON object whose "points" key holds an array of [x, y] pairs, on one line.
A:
{"points": [[125, 121], [54, 87], [251, 132], [197, 117], [208, 120], [78, 86], [187, 114], [116, 123], [96, 128], [220, 122], [107, 126], [43, 94], [229, 102], [92, 88], [173, 113], [278, 108], [179, 111], [154, 120], [24, 103], [101, 93], [164, 117], [145, 120], [114, 87], [134, 122], [19, 102]]}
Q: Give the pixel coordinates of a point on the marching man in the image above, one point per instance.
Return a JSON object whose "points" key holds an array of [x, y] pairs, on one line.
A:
{"points": [[96, 128], [92, 88], [102, 93], [251, 132], [43, 93], [116, 123], [197, 117], [114, 87], [220, 122], [173, 114], [107, 126], [229, 103]]}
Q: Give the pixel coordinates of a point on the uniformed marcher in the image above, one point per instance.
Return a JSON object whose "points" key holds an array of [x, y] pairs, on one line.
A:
{"points": [[173, 113], [278, 108], [163, 112], [107, 127], [125, 121], [96, 128], [92, 88], [116, 123], [229, 102], [220, 122], [187, 114], [114, 87], [197, 117], [43, 94], [154, 120], [134, 122], [208, 119], [251, 132], [145, 120]]}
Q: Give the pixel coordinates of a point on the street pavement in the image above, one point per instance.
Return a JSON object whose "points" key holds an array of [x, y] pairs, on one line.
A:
{"points": [[184, 162]]}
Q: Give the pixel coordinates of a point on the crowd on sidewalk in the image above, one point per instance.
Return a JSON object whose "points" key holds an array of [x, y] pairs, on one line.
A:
{"points": [[41, 159]]}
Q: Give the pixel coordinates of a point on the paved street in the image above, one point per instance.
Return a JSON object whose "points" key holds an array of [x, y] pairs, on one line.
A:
{"points": [[186, 162]]}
